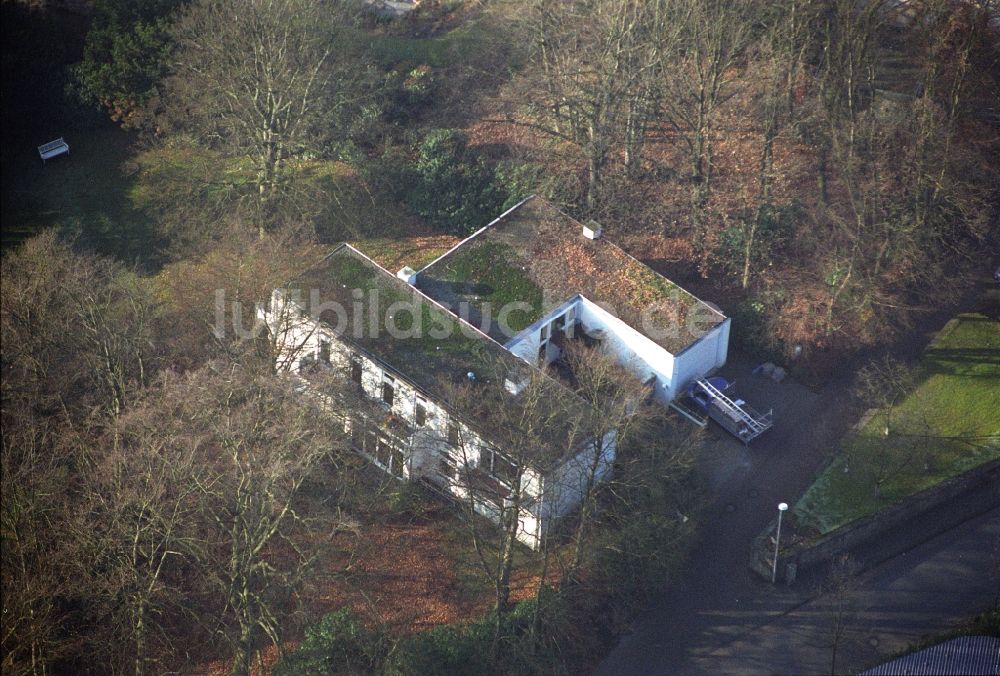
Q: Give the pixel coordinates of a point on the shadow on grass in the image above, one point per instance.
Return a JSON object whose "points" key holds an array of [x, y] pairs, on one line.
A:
{"points": [[965, 362], [84, 194]]}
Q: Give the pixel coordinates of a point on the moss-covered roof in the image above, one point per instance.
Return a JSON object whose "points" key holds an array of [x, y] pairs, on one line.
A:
{"points": [[538, 255], [488, 276], [431, 348]]}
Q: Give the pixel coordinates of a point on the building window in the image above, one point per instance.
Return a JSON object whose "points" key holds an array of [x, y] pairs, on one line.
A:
{"points": [[545, 333], [382, 452], [356, 370], [447, 466], [357, 434], [502, 468], [397, 460], [386, 452], [453, 435], [388, 390], [324, 351], [420, 412]]}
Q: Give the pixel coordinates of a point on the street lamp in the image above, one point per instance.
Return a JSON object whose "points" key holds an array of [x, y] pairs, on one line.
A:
{"points": [[777, 540]]}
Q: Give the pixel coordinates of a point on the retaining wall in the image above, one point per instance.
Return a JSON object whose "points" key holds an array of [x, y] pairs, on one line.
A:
{"points": [[891, 531]]}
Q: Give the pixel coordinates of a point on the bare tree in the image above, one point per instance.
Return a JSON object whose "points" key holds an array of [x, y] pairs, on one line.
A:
{"points": [[778, 60], [593, 64], [698, 44], [265, 441], [260, 79], [882, 385], [839, 591], [846, 76], [498, 471], [36, 548], [76, 337], [77, 329], [138, 528], [622, 400], [212, 304]]}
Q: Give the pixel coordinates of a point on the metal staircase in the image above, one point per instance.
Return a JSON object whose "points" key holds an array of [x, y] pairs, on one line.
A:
{"points": [[735, 416]]}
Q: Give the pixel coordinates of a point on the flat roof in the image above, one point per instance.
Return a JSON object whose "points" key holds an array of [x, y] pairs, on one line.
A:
{"points": [[537, 255], [392, 322]]}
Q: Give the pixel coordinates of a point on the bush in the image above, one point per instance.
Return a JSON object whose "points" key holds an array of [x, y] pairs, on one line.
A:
{"points": [[635, 560], [519, 181], [774, 230], [408, 93], [752, 330], [126, 54], [453, 189], [339, 643], [410, 501], [460, 650], [446, 650]]}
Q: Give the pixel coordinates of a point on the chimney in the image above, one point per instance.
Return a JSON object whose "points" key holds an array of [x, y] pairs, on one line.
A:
{"points": [[408, 275], [592, 230]]}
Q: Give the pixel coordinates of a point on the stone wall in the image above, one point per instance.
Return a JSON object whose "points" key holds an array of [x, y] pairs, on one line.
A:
{"points": [[893, 530]]}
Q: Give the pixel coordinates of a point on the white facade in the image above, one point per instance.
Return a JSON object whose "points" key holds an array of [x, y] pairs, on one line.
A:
{"points": [[411, 435], [435, 444], [630, 348]]}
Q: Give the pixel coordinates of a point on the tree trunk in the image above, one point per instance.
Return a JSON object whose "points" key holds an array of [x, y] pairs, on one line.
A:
{"points": [[140, 639]]}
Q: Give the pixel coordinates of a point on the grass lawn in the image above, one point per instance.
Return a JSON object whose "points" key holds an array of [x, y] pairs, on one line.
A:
{"points": [[948, 424], [114, 197], [84, 192], [415, 250], [459, 46]]}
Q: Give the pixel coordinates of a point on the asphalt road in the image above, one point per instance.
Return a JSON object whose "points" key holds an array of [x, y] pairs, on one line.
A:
{"points": [[923, 593], [724, 620], [719, 618], [717, 598]]}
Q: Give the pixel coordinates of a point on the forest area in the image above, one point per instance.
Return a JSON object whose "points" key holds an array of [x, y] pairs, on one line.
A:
{"points": [[172, 503]]}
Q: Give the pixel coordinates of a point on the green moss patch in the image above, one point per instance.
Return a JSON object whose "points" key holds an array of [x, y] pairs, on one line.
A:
{"points": [[353, 273], [493, 273]]}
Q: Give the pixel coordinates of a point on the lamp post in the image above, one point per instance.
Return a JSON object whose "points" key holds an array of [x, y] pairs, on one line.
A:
{"points": [[782, 507]]}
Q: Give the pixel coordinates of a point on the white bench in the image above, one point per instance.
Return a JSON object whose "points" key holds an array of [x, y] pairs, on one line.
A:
{"points": [[52, 148]]}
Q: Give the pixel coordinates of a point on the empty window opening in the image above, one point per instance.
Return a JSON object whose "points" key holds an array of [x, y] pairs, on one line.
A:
{"points": [[388, 390]]}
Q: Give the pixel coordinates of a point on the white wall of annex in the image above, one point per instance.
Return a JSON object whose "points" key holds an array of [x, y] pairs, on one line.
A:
{"points": [[704, 356], [566, 484], [631, 349]]}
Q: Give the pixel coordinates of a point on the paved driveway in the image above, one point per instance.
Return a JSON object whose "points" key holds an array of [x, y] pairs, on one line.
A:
{"points": [[922, 593], [719, 617]]}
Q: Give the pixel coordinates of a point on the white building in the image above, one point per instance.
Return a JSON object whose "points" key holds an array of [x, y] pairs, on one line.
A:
{"points": [[576, 281], [442, 356]]}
